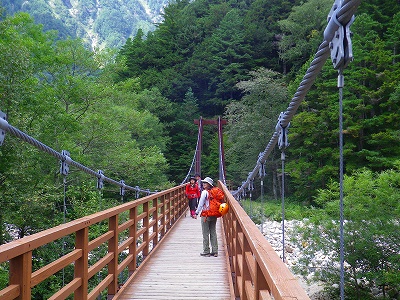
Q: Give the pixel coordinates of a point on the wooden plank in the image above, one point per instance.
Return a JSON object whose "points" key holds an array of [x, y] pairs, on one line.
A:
{"points": [[177, 271], [50, 269], [9, 293]]}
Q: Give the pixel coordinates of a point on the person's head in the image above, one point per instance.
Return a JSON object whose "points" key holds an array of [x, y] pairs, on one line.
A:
{"points": [[208, 183], [192, 180], [197, 176]]}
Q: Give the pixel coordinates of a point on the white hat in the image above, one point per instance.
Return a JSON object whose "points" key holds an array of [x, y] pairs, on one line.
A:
{"points": [[208, 180]]}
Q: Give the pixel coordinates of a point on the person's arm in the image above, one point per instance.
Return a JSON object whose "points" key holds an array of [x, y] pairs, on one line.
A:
{"points": [[187, 190], [198, 192], [202, 201]]}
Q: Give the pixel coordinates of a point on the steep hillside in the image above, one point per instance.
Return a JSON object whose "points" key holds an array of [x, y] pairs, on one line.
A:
{"points": [[99, 22]]}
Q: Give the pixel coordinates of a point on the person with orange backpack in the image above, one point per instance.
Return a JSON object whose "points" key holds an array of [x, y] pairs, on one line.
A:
{"points": [[209, 203]]}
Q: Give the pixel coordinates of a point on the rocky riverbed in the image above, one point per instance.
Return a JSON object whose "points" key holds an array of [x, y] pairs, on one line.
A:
{"points": [[272, 231]]}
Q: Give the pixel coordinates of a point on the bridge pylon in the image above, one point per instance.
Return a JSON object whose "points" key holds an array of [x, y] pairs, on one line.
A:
{"points": [[219, 122]]}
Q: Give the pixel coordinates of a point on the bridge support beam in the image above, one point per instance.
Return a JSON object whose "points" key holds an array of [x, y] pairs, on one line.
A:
{"points": [[219, 122]]}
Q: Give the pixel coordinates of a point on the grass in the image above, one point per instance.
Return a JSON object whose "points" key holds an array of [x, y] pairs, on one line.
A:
{"points": [[272, 210]]}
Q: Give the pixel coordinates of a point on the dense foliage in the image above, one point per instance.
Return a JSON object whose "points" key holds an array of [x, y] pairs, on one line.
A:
{"points": [[131, 112], [61, 94], [371, 238], [99, 23]]}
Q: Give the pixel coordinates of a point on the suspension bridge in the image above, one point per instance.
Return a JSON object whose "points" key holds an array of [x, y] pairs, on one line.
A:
{"points": [[148, 248]]}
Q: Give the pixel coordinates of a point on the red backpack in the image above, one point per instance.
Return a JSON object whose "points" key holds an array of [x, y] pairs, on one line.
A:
{"points": [[215, 198]]}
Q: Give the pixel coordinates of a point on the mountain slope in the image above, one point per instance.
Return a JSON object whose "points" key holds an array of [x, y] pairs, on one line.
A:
{"points": [[102, 23]]}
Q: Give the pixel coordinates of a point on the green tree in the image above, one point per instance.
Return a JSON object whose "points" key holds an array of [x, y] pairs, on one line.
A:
{"points": [[302, 32], [370, 116], [224, 58], [25, 50], [263, 31], [252, 120], [371, 234], [184, 135]]}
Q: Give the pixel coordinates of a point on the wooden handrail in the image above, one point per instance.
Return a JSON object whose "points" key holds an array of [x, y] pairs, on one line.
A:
{"points": [[257, 271], [146, 228]]}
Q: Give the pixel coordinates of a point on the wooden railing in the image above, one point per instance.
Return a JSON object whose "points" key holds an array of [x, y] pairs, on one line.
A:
{"points": [[257, 271], [134, 230]]}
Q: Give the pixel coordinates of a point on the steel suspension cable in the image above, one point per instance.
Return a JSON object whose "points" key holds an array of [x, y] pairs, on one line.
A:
{"points": [[64, 157], [194, 157], [341, 16], [221, 153]]}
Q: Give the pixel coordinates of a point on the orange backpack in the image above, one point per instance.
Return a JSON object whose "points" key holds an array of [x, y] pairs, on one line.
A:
{"points": [[215, 198]]}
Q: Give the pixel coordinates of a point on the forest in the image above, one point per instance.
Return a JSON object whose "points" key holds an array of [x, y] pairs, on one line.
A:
{"points": [[129, 112], [104, 23]]}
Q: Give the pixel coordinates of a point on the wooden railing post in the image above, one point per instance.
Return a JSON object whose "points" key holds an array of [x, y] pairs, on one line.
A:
{"points": [[133, 233], [235, 260], [81, 265], [155, 219], [20, 274], [248, 260], [113, 248], [167, 202], [146, 222], [260, 285], [163, 216]]}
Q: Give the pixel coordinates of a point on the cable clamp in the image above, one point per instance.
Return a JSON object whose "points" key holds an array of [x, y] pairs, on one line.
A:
{"points": [[3, 126], [64, 163], [122, 188], [261, 170], [341, 47], [283, 132], [100, 179]]}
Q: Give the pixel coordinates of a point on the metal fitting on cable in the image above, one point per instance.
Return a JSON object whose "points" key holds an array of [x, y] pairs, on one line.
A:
{"points": [[340, 46], [283, 142], [122, 188], [100, 179], [261, 170], [3, 126], [65, 162]]}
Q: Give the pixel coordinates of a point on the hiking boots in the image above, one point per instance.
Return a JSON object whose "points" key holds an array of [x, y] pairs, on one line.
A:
{"points": [[209, 254]]}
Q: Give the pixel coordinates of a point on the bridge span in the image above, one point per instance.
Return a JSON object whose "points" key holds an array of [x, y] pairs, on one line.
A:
{"points": [[150, 250]]}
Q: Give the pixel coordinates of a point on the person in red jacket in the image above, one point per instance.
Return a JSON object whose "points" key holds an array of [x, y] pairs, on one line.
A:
{"points": [[193, 195]]}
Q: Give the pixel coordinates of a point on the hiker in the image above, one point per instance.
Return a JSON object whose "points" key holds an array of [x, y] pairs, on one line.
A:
{"points": [[192, 192], [208, 223], [198, 179]]}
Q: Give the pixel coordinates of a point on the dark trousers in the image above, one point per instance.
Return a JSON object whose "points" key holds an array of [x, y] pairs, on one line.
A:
{"points": [[193, 204]]}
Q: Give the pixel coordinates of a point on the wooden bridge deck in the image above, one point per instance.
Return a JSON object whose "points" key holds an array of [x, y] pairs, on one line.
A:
{"points": [[177, 271]]}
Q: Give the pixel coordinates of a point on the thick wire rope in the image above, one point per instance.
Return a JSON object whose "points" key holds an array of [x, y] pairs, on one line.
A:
{"points": [[64, 158], [343, 16], [194, 158], [221, 151]]}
